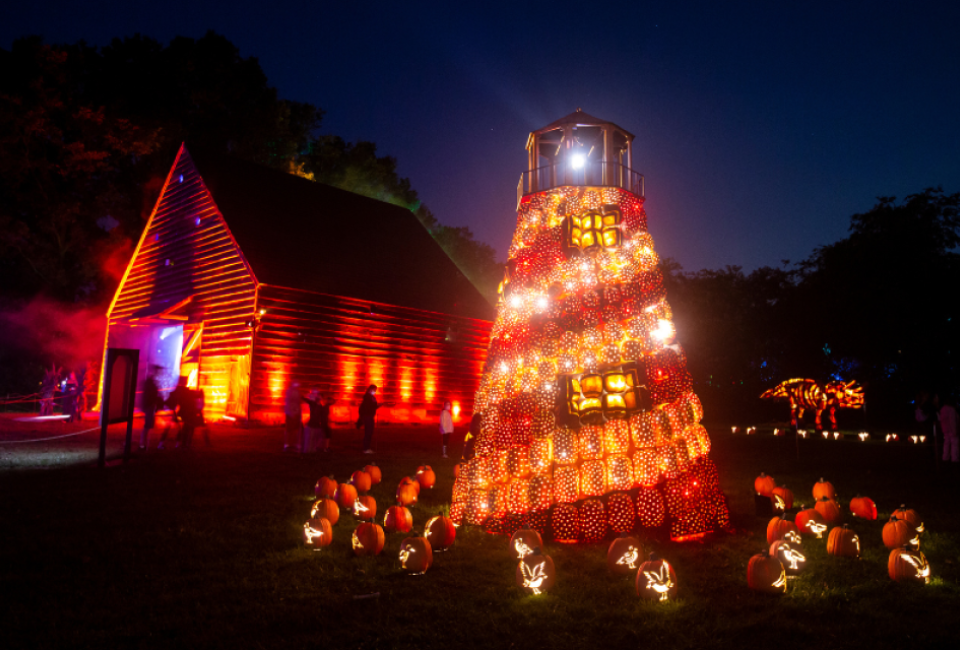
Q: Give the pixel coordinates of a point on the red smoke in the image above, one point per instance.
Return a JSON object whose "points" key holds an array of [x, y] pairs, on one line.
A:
{"points": [[53, 332]]}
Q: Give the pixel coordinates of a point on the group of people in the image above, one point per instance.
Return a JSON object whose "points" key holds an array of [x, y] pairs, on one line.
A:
{"points": [[186, 407], [942, 415], [72, 393]]}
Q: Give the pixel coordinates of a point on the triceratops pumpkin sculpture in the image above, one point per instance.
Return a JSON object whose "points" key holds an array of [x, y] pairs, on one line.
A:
{"points": [[808, 394]]}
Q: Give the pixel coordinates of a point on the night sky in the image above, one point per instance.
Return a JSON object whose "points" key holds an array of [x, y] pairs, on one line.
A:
{"points": [[761, 126]]}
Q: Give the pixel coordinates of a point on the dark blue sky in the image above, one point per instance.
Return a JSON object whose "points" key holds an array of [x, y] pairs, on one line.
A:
{"points": [[761, 126]]}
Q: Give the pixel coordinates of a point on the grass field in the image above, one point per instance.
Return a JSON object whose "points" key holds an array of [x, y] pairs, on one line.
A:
{"points": [[202, 548]]}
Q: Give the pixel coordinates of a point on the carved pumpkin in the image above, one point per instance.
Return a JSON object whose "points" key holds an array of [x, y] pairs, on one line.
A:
{"points": [[406, 493], [843, 542], [905, 565], [524, 541], [624, 555], [536, 573], [317, 533], [367, 539], [823, 489], [764, 485], [910, 516], [785, 496], [811, 522], [325, 487], [398, 520], [327, 509], [375, 474], [766, 574], [656, 580], [346, 496], [365, 508], [441, 532], [829, 510], [778, 528], [898, 533], [565, 521], [361, 480], [790, 557], [416, 555], [426, 477], [863, 507]]}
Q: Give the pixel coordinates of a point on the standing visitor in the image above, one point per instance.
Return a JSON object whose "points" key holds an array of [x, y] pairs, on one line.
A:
{"points": [[181, 404], [948, 423], [293, 415], [150, 402], [71, 394], [367, 417], [317, 436], [446, 427]]}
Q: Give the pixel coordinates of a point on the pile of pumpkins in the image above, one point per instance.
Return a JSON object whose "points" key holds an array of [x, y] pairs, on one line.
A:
{"points": [[768, 570], [416, 553]]}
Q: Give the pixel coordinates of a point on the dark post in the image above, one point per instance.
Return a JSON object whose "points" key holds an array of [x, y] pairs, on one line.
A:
{"points": [[119, 392]]}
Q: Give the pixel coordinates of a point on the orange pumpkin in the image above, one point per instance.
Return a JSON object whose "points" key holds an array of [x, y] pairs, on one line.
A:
{"points": [[325, 487], [810, 522], [785, 495], [624, 555], [905, 565], [367, 539], [863, 507], [843, 542], [441, 532], [536, 573], [346, 496], [779, 528], [416, 556], [365, 508], [406, 494], [790, 557], [398, 520], [375, 474], [524, 541], [456, 471], [823, 489], [317, 533], [361, 480], [326, 508], [829, 510], [898, 533], [406, 480], [766, 574], [656, 580], [426, 477], [910, 516], [764, 485]]}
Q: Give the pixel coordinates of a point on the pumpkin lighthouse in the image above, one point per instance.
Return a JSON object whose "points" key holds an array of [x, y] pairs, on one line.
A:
{"points": [[589, 422]]}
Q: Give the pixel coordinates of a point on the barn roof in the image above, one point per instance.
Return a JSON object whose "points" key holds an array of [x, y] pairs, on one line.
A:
{"points": [[306, 235]]}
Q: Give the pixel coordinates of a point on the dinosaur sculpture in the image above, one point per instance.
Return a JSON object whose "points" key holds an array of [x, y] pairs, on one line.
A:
{"points": [[808, 394]]}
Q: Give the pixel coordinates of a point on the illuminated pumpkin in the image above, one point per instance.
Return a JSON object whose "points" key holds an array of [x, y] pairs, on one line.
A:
{"points": [[593, 520], [656, 580], [824, 490], [897, 533], [778, 528], [416, 555], [785, 496], [317, 533], [905, 565], [811, 522], [365, 508], [565, 521], [790, 557], [766, 574], [375, 474], [624, 555], [426, 477], [621, 513], [456, 471], [367, 539], [536, 573], [843, 542], [361, 480], [910, 516], [407, 493], [863, 507], [325, 487], [441, 532], [327, 509], [346, 496], [829, 510], [524, 541], [398, 520], [764, 485]]}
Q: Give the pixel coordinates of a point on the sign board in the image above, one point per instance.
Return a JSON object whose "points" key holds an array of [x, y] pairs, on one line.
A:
{"points": [[119, 393]]}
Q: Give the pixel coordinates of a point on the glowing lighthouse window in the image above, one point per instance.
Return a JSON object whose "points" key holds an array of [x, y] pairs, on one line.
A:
{"points": [[592, 231], [594, 397]]}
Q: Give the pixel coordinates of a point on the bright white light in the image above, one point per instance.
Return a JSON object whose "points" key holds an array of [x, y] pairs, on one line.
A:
{"points": [[542, 303], [577, 160], [516, 301]]}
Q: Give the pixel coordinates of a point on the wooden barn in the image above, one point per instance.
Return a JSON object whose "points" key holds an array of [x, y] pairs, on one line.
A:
{"points": [[246, 278]]}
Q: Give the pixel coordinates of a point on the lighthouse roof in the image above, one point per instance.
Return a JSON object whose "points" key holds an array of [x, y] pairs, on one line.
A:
{"points": [[579, 118]]}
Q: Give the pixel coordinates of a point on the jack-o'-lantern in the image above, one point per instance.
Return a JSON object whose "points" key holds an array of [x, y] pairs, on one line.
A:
{"points": [[398, 520], [863, 507], [407, 493], [346, 496], [778, 528], [565, 521], [905, 565], [375, 474], [810, 522], [790, 556], [325, 487], [367, 539], [898, 533], [656, 580], [829, 510], [766, 574], [783, 498], [426, 477], [624, 555], [361, 480], [441, 532], [536, 573], [416, 555], [317, 533], [365, 508], [764, 485], [823, 489], [327, 509], [910, 516], [843, 542], [524, 541]]}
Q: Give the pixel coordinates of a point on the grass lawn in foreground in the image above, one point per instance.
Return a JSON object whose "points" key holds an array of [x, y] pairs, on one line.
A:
{"points": [[202, 548]]}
